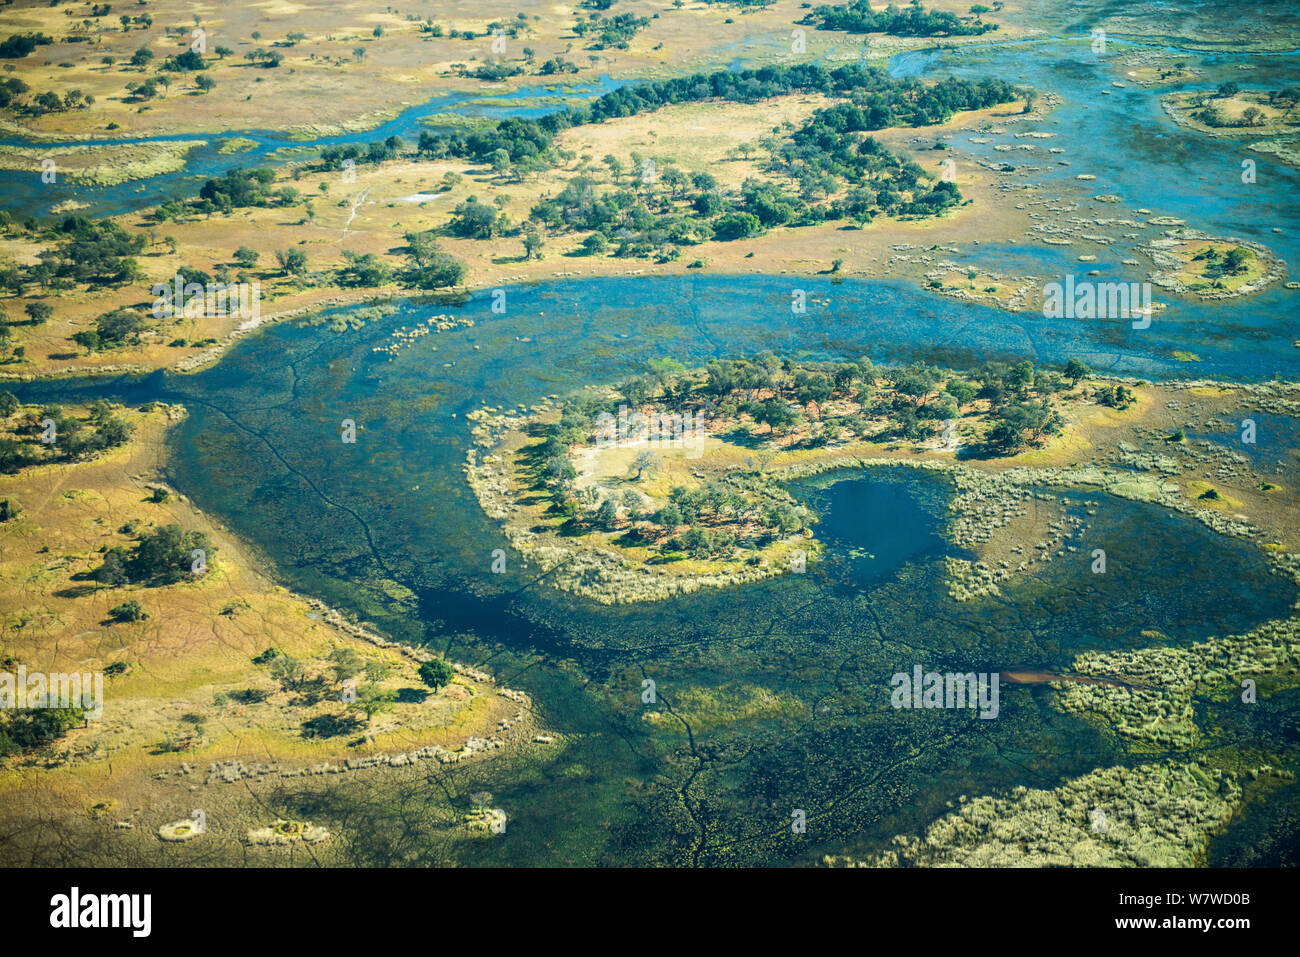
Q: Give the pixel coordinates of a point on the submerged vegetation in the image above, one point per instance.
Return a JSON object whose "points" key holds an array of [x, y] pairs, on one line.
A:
{"points": [[811, 500]]}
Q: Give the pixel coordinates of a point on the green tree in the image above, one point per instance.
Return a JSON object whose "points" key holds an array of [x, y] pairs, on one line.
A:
{"points": [[473, 220], [606, 514], [428, 266], [1236, 258], [164, 556], [293, 262], [533, 243], [372, 700], [345, 663], [127, 611], [436, 673], [289, 672]]}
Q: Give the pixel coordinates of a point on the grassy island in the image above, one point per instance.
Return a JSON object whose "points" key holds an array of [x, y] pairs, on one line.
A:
{"points": [[671, 481]]}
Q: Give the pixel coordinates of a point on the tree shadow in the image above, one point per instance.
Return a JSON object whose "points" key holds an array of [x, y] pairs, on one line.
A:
{"points": [[331, 725], [78, 591]]}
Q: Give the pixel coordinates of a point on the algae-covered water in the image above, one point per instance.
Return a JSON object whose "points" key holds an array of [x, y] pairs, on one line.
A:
{"points": [[771, 698]]}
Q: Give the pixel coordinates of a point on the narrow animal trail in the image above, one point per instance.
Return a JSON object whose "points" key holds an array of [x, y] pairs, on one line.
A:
{"points": [[355, 206]]}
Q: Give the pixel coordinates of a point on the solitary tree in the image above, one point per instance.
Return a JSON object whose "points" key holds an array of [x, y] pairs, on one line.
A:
{"points": [[533, 243], [436, 673], [372, 700], [292, 261], [645, 461]]}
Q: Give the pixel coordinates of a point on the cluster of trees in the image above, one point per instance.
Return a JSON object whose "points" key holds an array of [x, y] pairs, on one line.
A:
{"points": [[615, 31], [549, 461], [335, 157], [710, 521], [113, 330], [825, 155], [347, 667], [185, 62], [27, 730], [492, 69], [1115, 396], [908, 102], [49, 102], [1211, 114], [21, 44], [677, 209], [913, 21], [95, 252], [1017, 402], [239, 187], [162, 556], [362, 270], [473, 219], [270, 59], [905, 402], [1021, 407], [74, 438], [1229, 262], [234, 189], [780, 396], [556, 65], [428, 266], [659, 210], [190, 61], [12, 89], [1286, 98]]}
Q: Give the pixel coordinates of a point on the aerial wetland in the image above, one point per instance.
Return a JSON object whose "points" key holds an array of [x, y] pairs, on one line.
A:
{"points": [[718, 540]]}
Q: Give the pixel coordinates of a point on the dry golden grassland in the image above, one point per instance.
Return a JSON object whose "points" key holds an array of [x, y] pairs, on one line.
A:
{"points": [[191, 679], [340, 76]]}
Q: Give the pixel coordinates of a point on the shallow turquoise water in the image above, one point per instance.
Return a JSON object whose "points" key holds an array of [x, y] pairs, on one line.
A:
{"points": [[260, 450]]}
